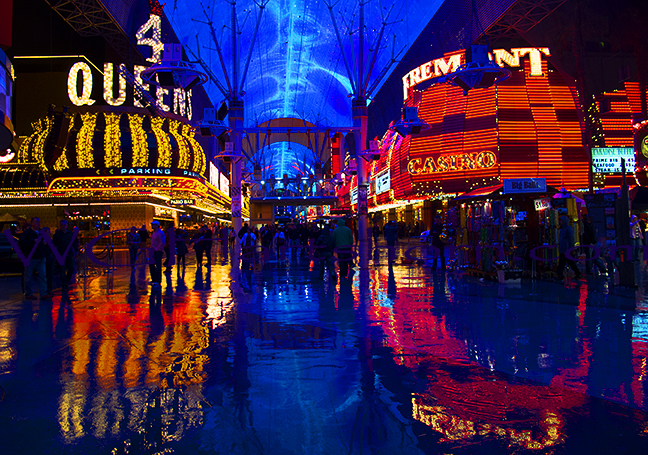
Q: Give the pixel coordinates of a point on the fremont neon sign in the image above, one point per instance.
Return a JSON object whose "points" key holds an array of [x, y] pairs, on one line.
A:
{"points": [[446, 65], [454, 162]]}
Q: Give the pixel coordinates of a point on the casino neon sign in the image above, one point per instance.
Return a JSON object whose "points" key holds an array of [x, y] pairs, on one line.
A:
{"points": [[446, 65], [452, 162]]}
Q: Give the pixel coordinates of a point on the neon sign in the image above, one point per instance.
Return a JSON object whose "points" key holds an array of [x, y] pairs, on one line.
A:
{"points": [[453, 162], [178, 100], [446, 65]]}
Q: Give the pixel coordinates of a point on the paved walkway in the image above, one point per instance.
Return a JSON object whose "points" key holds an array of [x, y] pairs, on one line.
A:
{"points": [[398, 360]]}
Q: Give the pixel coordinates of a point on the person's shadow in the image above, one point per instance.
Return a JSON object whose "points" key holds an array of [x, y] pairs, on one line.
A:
{"points": [[198, 284], [391, 283]]}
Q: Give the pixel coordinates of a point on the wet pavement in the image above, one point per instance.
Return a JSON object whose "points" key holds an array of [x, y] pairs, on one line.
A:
{"points": [[398, 360]]}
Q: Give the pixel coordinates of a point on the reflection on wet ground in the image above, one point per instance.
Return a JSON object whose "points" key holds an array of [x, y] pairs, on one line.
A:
{"points": [[399, 360]]}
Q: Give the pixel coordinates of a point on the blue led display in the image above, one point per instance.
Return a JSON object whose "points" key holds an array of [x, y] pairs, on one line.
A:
{"points": [[296, 69]]}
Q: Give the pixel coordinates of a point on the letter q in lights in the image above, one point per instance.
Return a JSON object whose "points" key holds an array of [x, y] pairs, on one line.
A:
{"points": [[73, 92]]}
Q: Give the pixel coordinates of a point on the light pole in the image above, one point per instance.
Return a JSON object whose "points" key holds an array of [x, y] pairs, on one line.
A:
{"points": [[362, 91]]}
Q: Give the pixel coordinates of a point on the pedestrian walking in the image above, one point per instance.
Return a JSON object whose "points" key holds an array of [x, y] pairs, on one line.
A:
{"points": [[198, 246], [181, 249], [391, 234], [248, 243], [34, 249], [158, 241], [343, 243], [49, 261], [133, 240], [324, 246], [636, 238], [565, 243], [68, 249]]}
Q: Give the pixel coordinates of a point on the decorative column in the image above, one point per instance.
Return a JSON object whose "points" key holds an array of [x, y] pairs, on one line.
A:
{"points": [[360, 114], [236, 112]]}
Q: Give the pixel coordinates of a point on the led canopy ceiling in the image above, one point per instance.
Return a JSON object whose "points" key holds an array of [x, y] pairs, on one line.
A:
{"points": [[296, 67]]}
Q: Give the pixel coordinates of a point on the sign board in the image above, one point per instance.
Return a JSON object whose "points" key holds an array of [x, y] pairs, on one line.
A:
{"points": [[354, 195], [601, 209], [214, 175], [541, 204], [383, 182], [607, 160], [182, 202], [224, 185], [515, 186]]}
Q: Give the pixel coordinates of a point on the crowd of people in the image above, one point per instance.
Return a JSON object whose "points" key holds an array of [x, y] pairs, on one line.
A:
{"points": [[47, 255], [161, 249]]}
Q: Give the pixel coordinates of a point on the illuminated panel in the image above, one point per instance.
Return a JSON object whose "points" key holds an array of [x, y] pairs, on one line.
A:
{"points": [[62, 162], [459, 151], [85, 158], [112, 141], [41, 128], [163, 144], [138, 141], [615, 112], [39, 143], [199, 160], [175, 128]]}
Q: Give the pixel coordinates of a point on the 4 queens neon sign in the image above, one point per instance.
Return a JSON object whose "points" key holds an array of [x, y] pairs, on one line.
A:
{"points": [[443, 65]]}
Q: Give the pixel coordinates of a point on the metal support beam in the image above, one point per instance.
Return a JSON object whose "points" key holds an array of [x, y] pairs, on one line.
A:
{"points": [[90, 18]]}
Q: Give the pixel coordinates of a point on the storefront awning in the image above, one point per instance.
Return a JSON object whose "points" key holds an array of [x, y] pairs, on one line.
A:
{"points": [[496, 190], [480, 192]]}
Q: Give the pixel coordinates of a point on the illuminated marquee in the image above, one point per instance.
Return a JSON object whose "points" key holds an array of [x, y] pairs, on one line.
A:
{"points": [[446, 65], [450, 163]]}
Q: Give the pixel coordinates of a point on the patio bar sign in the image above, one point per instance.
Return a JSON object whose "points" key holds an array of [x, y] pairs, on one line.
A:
{"points": [[607, 160], [513, 186]]}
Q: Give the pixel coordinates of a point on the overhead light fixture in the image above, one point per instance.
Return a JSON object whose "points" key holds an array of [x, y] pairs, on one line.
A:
{"points": [[478, 71], [410, 123], [212, 125], [229, 155], [172, 72]]}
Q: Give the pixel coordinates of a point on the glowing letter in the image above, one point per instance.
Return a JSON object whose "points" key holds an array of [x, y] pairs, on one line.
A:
{"points": [[138, 77], [411, 166], [441, 66], [108, 87], [535, 56], [155, 42], [84, 99]]}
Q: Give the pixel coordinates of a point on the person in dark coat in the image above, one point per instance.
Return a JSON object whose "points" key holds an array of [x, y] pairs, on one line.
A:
{"points": [[565, 243], [198, 246], [343, 244], [589, 240], [391, 234], [207, 240], [133, 240], [324, 253], [181, 247], [62, 240], [144, 237], [31, 239], [49, 262]]}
